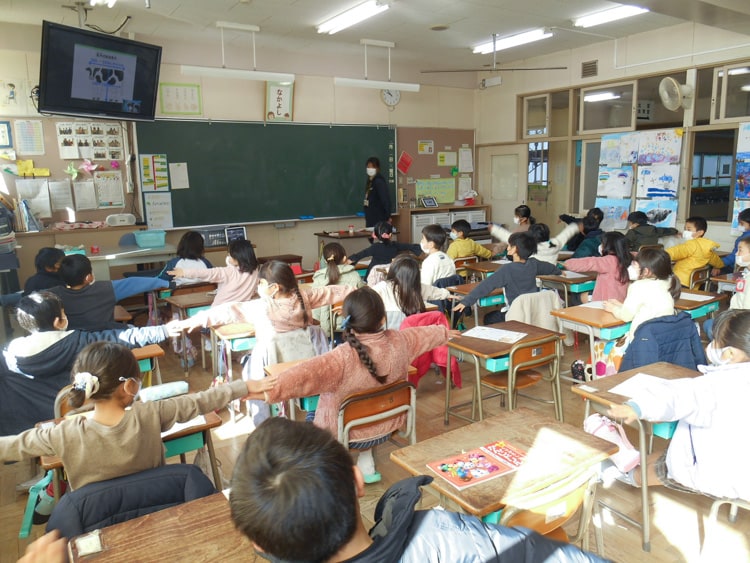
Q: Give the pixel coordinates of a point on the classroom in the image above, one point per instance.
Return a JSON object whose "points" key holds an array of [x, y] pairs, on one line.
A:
{"points": [[548, 124]]}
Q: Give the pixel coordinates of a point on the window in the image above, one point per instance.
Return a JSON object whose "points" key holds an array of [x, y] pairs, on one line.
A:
{"points": [[539, 163], [536, 116], [608, 108], [731, 99]]}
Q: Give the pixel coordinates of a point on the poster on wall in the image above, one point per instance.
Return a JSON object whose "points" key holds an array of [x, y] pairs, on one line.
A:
{"points": [[615, 182], [279, 101], [739, 205], [743, 142], [615, 213], [660, 147], [658, 180], [659, 212], [742, 179], [158, 210]]}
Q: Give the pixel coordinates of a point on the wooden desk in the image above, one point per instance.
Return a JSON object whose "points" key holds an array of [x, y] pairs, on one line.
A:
{"points": [[497, 297], [212, 420], [122, 315], [144, 356], [702, 307], [485, 268], [355, 242], [555, 450], [127, 256], [594, 321], [188, 305], [199, 530], [726, 282], [288, 258], [563, 255], [598, 392], [495, 357], [570, 282]]}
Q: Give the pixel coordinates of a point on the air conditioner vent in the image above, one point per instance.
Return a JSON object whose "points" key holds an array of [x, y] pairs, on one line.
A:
{"points": [[589, 69]]}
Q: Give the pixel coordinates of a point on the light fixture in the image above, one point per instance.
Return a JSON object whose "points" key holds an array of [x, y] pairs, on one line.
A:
{"points": [[352, 16], [512, 41], [237, 73], [108, 3], [601, 97], [614, 14], [745, 88], [376, 84], [490, 82]]}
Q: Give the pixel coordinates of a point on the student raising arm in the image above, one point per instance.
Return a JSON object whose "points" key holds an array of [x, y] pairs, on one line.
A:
{"points": [[612, 267]]}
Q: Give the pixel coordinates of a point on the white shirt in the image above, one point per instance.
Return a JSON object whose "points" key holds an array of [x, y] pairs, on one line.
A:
{"points": [[436, 266]]}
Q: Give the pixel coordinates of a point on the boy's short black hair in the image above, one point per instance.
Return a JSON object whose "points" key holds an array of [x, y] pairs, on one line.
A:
{"points": [[462, 226], [525, 244], [590, 223], [37, 311], [597, 213], [293, 491], [540, 232], [744, 215], [47, 258], [638, 217], [434, 234], [74, 269], [699, 223]]}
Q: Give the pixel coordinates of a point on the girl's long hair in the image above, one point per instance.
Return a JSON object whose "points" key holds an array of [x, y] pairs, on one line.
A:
{"points": [[333, 254], [407, 284], [615, 244], [658, 262], [281, 273], [363, 313]]}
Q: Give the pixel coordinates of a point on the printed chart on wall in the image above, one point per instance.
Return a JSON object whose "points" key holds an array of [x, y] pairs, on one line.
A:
{"points": [[154, 173], [95, 141], [108, 185], [158, 210]]}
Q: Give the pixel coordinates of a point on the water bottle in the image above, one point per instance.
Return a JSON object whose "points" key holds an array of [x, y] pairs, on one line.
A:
{"points": [[44, 505]]}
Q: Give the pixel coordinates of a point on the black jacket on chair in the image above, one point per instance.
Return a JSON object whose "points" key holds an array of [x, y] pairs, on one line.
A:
{"points": [[672, 338], [101, 504]]}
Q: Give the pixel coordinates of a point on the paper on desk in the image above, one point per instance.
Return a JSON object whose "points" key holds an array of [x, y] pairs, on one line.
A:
{"points": [[571, 275], [639, 384], [501, 261], [695, 296], [496, 334], [197, 421], [594, 305]]}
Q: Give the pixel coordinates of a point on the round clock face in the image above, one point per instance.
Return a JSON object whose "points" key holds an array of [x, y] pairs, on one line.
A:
{"points": [[390, 97]]}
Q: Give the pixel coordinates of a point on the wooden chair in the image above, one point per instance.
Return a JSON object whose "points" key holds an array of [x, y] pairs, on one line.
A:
{"points": [[710, 533], [461, 262], [523, 360], [365, 408], [148, 362], [700, 278], [547, 510], [334, 312]]}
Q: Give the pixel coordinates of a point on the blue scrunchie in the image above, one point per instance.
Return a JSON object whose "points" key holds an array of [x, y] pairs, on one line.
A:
{"points": [[345, 322]]}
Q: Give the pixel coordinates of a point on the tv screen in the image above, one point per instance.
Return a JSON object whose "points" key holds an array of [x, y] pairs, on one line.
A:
{"points": [[84, 73]]}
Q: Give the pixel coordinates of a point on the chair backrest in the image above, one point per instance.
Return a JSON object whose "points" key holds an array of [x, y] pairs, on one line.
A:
{"points": [[700, 278], [101, 504], [535, 354], [365, 408], [535, 308], [62, 408], [546, 510], [461, 262]]}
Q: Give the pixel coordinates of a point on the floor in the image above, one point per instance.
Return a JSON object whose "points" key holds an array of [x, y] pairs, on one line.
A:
{"points": [[679, 520]]}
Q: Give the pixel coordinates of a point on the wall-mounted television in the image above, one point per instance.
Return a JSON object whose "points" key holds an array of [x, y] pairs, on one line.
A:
{"points": [[84, 73]]}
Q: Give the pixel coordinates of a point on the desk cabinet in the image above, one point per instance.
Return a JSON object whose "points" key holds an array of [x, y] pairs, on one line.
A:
{"points": [[410, 222]]}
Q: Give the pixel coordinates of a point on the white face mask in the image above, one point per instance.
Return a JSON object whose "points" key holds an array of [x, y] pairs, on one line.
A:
{"points": [[264, 291], [687, 235], [740, 261], [517, 220], [599, 250], [714, 355], [634, 271], [424, 247], [371, 172], [229, 261], [453, 235]]}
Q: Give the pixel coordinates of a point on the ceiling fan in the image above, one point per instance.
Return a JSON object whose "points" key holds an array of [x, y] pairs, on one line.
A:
{"points": [[494, 67]]}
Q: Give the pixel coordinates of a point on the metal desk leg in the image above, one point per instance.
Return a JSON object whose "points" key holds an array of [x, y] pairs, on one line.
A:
{"points": [[645, 513], [212, 456], [448, 379]]}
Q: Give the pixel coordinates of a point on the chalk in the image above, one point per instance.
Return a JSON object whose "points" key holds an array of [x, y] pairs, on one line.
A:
{"points": [[306, 217]]}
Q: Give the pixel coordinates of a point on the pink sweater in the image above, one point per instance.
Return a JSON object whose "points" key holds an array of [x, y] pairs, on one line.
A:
{"points": [[233, 285], [608, 286], [339, 373]]}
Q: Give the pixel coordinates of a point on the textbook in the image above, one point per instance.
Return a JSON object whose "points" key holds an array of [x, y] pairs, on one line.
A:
{"points": [[479, 465]]}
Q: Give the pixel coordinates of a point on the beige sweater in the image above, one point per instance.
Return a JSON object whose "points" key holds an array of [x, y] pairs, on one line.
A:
{"points": [[339, 373], [92, 452]]}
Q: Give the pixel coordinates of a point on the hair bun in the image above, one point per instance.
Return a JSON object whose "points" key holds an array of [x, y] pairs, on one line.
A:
{"points": [[86, 382]]}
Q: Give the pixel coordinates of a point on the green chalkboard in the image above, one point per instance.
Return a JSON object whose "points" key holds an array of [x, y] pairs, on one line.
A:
{"points": [[243, 172]]}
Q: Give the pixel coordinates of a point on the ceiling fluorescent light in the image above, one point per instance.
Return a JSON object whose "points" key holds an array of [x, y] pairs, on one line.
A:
{"points": [[108, 3], [600, 97], [619, 13], [745, 88], [352, 17], [236, 73], [513, 41], [375, 84]]}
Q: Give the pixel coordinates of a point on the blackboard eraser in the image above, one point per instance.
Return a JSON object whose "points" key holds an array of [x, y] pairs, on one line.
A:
{"points": [[360, 213], [306, 217]]}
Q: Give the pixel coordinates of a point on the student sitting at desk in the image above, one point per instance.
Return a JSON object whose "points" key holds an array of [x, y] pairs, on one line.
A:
{"points": [[123, 436], [597, 216], [696, 252], [383, 249], [741, 297], [438, 265], [237, 281], [190, 252], [591, 238], [335, 272], [39, 364], [516, 278], [47, 263], [612, 267], [462, 246], [704, 454], [369, 357], [640, 233], [743, 221], [294, 495], [547, 248], [90, 305]]}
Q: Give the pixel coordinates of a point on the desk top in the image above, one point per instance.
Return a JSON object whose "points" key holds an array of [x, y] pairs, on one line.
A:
{"points": [[598, 389], [188, 300], [492, 349], [727, 278], [592, 316], [344, 234], [115, 252], [466, 288], [148, 351], [554, 450], [234, 330], [484, 267], [202, 528], [683, 304], [122, 315], [570, 279]]}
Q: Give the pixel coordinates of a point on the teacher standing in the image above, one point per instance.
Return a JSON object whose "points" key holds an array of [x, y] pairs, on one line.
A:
{"points": [[377, 202]]}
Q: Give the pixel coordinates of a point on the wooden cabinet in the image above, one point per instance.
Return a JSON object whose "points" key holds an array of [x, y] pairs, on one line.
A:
{"points": [[405, 219]]}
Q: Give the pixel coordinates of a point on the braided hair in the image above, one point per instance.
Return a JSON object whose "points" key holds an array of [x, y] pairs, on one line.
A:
{"points": [[363, 312], [281, 273]]}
